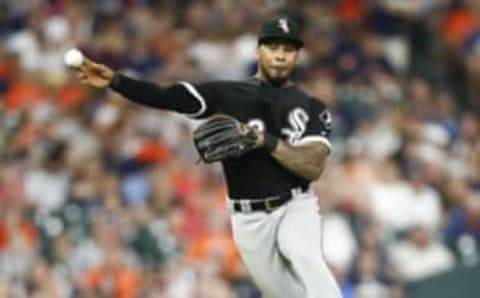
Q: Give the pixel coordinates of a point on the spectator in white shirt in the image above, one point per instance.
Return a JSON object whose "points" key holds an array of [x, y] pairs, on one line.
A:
{"points": [[420, 255]]}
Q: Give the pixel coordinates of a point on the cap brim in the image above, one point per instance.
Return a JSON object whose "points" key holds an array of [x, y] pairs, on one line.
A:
{"points": [[295, 41]]}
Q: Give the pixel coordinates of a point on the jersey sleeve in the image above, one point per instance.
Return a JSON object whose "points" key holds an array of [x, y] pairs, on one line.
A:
{"points": [[207, 95], [195, 101], [319, 124]]}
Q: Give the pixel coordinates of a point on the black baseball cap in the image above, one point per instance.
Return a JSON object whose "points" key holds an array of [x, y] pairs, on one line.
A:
{"points": [[280, 28]]}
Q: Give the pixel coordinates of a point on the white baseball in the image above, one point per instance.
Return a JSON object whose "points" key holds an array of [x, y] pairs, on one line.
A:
{"points": [[73, 58]]}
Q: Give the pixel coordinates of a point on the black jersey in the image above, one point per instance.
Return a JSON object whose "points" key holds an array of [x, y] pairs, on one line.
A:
{"points": [[285, 112]]}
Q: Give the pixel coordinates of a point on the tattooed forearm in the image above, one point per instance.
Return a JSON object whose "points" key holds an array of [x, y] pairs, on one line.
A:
{"points": [[307, 161]]}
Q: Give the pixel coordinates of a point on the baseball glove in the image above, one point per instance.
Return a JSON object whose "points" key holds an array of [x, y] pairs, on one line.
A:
{"points": [[223, 137]]}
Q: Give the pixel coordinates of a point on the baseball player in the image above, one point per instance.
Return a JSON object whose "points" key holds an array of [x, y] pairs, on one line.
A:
{"points": [[272, 140]]}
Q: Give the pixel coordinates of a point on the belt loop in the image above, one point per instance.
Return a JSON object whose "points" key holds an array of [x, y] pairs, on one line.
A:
{"points": [[245, 206], [296, 191], [268, 204]]}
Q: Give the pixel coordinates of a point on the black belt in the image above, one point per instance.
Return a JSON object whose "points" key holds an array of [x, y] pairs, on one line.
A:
{"points": [[267, 204]]}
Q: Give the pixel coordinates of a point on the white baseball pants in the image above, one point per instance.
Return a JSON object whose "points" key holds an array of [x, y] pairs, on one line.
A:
{"points": [[282, 250]]}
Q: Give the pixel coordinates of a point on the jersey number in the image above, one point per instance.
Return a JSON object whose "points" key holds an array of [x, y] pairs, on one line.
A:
{"points": [[297, 119], [257, 124]]}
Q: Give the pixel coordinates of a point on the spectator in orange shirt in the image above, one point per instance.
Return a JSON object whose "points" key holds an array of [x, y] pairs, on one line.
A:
{"points": [[113, 278], [24, 92], [13, 225], [461, 22]]}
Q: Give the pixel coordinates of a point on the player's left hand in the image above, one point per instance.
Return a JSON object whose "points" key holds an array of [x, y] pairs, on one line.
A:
{"points": [[224, 137]]}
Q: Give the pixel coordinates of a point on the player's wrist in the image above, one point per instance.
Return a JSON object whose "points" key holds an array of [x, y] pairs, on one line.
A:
{"points": [[270, 142], [114, 80], [259, 138]]}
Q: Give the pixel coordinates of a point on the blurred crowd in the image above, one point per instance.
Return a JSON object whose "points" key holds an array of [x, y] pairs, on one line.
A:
{"points": [[100, 197]]}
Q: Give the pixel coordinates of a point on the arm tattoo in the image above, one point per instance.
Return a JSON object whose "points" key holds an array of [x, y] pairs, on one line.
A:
{"points": [[307, 161]]}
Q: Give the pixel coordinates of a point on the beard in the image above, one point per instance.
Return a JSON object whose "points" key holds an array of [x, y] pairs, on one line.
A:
{"points": [[274, 81]]}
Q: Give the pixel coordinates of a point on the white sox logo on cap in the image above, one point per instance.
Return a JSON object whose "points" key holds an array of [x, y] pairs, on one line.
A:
{"points": [[283, 24]]}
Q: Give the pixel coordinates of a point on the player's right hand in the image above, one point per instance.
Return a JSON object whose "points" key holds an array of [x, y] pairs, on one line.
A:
{"points": [[94, 74]]}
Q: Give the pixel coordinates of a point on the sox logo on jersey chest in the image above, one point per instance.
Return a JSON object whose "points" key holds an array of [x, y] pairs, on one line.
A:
{"points": [[297, 119]]}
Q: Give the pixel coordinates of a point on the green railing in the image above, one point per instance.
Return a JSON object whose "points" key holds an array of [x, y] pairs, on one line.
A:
{"points": [[461, 282]]}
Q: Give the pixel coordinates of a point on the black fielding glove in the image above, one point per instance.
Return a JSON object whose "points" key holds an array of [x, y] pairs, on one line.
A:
{"points": [[223, 137]]}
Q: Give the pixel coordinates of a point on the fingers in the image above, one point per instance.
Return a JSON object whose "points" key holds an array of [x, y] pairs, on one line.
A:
{"points": [[91, 73], [88, 68], [87, 64], [82, 77], [92, 68], [244, 129]]}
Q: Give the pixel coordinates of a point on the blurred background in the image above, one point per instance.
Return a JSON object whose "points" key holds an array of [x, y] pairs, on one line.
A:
{"points": [[100, 197]]}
